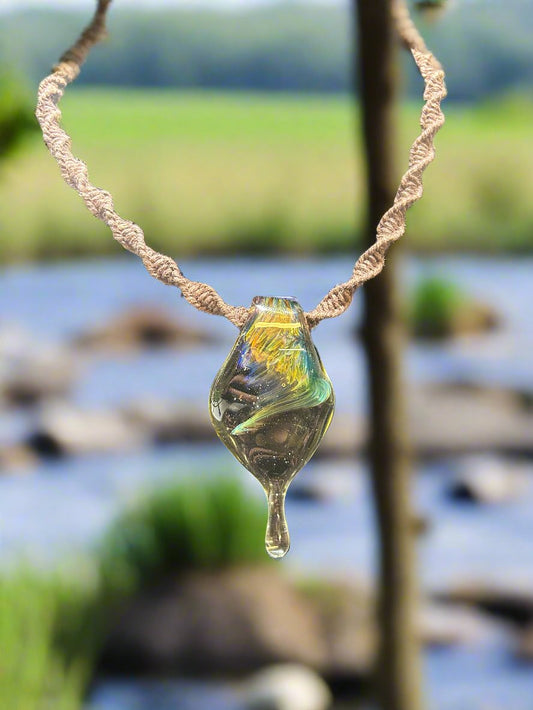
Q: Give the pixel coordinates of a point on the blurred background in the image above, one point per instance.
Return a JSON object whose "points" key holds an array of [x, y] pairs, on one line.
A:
{"points": [[132, 567]]}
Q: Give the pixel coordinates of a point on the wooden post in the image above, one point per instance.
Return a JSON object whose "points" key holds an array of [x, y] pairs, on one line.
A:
{"points": [[398, 676]]}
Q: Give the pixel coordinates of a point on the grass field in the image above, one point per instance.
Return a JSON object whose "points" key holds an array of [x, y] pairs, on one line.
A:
{"points": [[210, 173]]}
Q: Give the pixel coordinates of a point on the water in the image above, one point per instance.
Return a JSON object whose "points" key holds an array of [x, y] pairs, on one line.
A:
{"points": [[163, 695], [55, 302], [457, 680], [64, 506]]}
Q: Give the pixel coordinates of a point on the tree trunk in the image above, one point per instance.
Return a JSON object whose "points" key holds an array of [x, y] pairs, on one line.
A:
{"points": [[398, 677]]}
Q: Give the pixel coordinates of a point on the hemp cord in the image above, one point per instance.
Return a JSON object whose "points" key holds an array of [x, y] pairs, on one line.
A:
{"points": [[201, 295]]}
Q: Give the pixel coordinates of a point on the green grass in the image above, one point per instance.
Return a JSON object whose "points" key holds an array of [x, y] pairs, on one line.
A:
{"points": [[49, 634], [52, 628], [435, 304], [192, 525], [211, 173], [441, 309]]}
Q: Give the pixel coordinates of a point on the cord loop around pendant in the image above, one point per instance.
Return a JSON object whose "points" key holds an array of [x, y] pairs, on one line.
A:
{"points": [[165, 269]]}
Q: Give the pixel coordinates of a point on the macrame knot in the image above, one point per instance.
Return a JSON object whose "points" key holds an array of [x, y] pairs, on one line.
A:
{"points": [[165, 269]]}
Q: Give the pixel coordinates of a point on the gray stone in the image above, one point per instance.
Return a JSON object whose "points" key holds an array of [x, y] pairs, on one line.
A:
{"points": [[170, 422], [64, 430], [448, 419], [444, 625], [322, 483], [31, 372], [346, 613], [484, 479], [142, 327], [230, 622], [510, 599]]}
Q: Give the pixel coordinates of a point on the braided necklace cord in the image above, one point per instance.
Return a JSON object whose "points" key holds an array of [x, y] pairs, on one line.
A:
{"points": [[201, 295]]}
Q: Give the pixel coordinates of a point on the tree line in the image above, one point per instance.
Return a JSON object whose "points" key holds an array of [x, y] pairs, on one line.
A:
{"points": [[485, 47]]}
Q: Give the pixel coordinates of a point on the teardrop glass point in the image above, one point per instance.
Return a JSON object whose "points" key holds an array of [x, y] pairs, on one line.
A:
{"points": [[272, 402], [277, 539]]}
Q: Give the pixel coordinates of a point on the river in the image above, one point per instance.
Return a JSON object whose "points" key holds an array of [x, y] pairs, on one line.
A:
{"points": [[63, 506]]}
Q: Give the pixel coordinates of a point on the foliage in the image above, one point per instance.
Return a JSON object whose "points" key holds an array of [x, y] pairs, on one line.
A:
{"points": [[16, 116], [49, 633], [52, 628], [218, 173], [434, 305], [439, 309], [193, 525]]}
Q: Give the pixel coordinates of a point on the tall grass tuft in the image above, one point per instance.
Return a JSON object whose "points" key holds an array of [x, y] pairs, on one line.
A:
{"points": [[49, 635], [52, 628], [193, 525], [434, 305], [440, 309]]}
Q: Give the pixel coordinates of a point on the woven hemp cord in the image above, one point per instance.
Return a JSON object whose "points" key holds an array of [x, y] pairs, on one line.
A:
{"points": [[201, 295]]}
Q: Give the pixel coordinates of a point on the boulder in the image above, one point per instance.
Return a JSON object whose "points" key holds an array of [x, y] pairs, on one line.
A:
{"points": [[64, 430], [439, 309], [286, 687], [484, 479], [30, 372], [346, 613], [446, 420], [142, 327], [510, 600], [471, 319], [230, 622], [444, 625], [320, 484], [242, 620], [451, 419], [170, 422]]}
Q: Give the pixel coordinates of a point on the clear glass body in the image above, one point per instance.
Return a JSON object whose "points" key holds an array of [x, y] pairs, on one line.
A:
{"points": [[272, 402]]}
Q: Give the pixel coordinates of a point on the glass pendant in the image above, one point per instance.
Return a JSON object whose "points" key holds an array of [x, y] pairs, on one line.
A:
{"points": [[272, 402]]}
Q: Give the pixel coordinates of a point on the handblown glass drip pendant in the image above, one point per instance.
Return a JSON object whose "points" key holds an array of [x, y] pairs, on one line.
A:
{"points": [[272, 402]]}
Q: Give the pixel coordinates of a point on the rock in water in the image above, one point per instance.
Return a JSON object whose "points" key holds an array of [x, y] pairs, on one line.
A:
{"points": [[510, 599], [65, 430], [141, 327], [286, 687], [484, 479], [31, 372], [231, 622]]}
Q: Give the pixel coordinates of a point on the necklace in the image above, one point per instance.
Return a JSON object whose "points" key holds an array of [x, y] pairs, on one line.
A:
{"points": [[272, 401]]}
